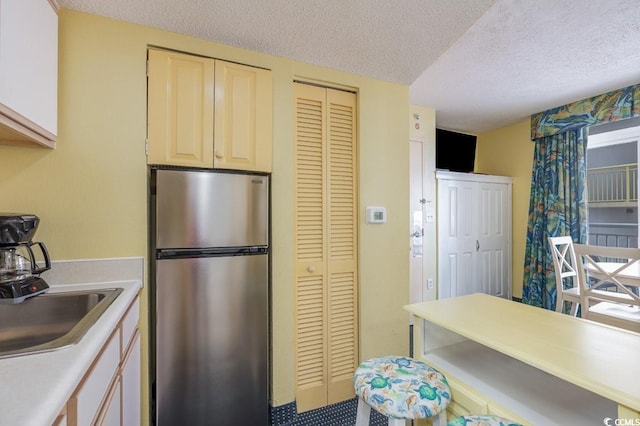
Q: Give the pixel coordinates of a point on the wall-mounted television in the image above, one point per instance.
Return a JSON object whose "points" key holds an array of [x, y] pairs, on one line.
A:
{"points": [[455, 151]]}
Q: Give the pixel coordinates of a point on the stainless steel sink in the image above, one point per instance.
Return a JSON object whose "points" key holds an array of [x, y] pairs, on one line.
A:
{"points": [[51, 321]]}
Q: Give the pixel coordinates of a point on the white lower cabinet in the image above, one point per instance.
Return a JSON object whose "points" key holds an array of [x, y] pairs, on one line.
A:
{"points": [[109, 393], [110, 415], [86, 402], [131, 384]]}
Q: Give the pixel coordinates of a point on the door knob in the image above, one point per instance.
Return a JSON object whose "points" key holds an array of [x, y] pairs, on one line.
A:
{"points": [[311, 268]]}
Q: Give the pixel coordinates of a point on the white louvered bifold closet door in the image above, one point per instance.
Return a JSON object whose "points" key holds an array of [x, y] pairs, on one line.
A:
{"points": [[326, 315]]}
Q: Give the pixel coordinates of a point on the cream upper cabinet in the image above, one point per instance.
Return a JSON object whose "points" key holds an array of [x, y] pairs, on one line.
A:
{"points": [[204, 112], [180, 109], [243, 117], [28, 72]]}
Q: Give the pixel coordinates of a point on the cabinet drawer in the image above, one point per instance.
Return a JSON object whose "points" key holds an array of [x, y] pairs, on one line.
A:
{"points": [[91, 393], [130, 324]]}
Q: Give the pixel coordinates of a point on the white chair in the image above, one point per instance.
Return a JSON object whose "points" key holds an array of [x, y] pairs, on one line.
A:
{"points": [[619, 306], [564, 264]]}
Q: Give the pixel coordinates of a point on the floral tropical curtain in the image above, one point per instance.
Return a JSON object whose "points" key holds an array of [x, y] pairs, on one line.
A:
{"points": [[558, 204], [558, 207]]}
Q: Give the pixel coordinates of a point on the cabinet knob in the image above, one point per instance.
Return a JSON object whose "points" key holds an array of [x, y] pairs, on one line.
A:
{"points": [[311, 268], [218, 154]]}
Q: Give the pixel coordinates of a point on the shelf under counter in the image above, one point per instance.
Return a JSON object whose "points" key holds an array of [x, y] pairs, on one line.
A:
{"points": [[542, 366], [538, 397]]}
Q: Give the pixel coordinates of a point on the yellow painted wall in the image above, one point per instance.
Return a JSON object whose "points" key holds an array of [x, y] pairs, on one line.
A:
{"points": [[508, 151], [91, 192]]}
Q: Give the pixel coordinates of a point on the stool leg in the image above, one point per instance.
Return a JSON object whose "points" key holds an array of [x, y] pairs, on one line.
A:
{"points": [[397, 422], [440, 419], [362, 418]]}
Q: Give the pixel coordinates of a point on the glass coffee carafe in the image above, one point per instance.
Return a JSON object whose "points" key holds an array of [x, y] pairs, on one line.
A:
{"points": [[19, 263], [19, 266]]}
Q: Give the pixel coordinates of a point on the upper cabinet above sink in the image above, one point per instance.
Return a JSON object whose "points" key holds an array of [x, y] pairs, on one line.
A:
{"points": [[28, 72]]}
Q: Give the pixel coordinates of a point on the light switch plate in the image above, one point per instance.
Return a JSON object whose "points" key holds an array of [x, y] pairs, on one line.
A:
{"points": [[430, 214]]}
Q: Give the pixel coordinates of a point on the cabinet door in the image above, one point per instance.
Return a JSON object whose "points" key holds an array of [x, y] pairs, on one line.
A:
{"points": [[110, 415], [28, 71], [310, 248], [131, 384], [85, 404], [474, 238], [456, 239], [243, 117], [180, 109], [325, 229], [493, 263], [342, 244]]}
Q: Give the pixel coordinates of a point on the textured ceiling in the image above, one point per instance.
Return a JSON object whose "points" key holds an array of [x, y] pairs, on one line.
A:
{"points": [[393, 41], [481, 64], [522, 57]]}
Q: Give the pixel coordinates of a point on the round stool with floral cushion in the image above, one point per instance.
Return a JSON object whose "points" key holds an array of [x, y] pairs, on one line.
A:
{"points": [[400, 388], [482, 420]]}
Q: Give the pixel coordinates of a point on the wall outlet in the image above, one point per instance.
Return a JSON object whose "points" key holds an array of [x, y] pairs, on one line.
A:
{"points": [[430, 284]]}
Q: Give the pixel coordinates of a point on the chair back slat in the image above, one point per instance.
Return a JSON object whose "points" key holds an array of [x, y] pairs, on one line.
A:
{"points": [[566, 275], [618, 270]]}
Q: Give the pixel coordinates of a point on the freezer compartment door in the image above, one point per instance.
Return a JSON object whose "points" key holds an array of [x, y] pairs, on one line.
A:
{"points": [[212, 341], [210, 209]]}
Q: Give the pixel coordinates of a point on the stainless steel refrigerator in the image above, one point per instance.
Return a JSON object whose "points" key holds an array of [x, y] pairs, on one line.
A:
{"points": [[209, 299]]}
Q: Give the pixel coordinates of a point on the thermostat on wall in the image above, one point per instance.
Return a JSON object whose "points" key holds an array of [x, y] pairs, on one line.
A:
{"points": [[376, 215]]}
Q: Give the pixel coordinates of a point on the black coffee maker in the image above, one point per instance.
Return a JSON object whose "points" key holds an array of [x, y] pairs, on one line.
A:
{"points": [[19, 271]]}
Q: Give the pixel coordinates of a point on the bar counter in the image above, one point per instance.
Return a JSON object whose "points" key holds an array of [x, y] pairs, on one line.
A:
{"points": [[533, 365]]}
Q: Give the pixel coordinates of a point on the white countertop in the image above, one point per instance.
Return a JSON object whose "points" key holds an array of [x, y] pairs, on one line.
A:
{"points": [[35, 388]]}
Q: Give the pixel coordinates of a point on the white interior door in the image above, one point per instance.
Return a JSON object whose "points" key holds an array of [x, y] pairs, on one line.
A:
{"points": [[494, 269], [457, 243]]}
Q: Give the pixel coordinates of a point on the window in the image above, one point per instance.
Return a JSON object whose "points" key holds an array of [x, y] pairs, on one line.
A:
{"points": [[612, 183]]}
